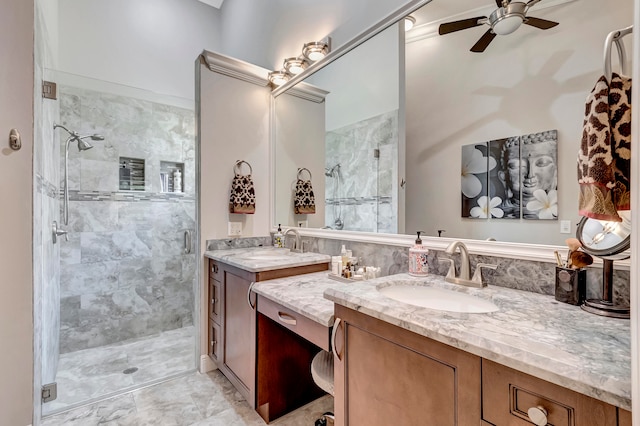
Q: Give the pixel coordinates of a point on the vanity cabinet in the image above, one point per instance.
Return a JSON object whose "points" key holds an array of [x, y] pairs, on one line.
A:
{"points": [[232, 320], [385, 375]]}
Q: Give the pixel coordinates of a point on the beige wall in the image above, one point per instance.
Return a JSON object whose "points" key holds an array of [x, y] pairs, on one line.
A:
{"points": [[526, 82], [300, 133], [16, 111]]}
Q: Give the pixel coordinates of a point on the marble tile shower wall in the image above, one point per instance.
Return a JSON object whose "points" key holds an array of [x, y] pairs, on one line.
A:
{"points": [[525, 275], [363, 196], [124, 273]]}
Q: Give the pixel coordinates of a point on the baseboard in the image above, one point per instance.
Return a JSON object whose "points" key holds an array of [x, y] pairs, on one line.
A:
{"points": [[207, 364]]}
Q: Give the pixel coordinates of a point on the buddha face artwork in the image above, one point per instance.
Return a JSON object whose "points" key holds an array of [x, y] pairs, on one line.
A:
{"points": [[524, 179]]}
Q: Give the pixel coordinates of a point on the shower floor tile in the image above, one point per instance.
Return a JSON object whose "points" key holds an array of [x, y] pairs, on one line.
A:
{"points": [[192, 400], [92, 373]]}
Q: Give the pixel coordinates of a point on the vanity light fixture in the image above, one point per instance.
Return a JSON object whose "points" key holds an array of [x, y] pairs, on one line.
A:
{"points": [[295, 66], [278, 78], [409, 22], [316, 50]]}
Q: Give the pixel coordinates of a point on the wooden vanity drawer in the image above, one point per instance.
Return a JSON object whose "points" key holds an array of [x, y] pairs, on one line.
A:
{"points": [[508, 394], [215, 272], [214, 301], [298, 323]]}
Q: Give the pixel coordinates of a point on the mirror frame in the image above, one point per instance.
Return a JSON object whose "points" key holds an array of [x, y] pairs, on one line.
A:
{"points": [[521, 251]]}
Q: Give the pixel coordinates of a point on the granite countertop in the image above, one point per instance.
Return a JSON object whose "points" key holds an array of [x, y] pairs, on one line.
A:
{"points": [[531, 332], [302, 294], [259, 259]]}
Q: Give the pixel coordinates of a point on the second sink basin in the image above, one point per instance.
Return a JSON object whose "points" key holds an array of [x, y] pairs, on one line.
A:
{"points": [[266, 254], [439, 299]]}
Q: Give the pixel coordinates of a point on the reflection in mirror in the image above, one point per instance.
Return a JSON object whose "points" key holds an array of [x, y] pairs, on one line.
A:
{"points": [[348, 136], [526, 82]]}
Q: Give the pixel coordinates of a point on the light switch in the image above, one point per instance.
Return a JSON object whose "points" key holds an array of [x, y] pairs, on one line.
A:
{"points": [[235, 229], [565, 226]]}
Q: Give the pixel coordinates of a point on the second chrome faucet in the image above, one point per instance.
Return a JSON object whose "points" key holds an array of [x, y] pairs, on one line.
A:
{"points": [[465, 267]]}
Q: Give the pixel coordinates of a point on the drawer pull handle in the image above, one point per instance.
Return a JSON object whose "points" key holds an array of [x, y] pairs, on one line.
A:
{"points": [[214, 269], [213, 342], [538, 415], [286, 318], [251, 305], [336, 323], [213, 301]]}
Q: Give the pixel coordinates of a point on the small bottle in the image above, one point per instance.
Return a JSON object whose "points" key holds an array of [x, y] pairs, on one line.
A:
{"points": [[336, 265], [345, 258], [278, 240], [418, 259], [177, 181]]}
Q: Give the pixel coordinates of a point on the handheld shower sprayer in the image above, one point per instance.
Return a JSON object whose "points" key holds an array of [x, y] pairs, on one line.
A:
{"points": [[83, 145]]}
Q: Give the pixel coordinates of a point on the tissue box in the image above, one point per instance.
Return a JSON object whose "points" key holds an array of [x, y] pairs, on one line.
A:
{"points": [[571, 285]]}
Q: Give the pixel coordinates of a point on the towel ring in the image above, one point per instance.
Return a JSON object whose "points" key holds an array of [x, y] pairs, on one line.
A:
{"points": [[303, 169], [237, 167], [616, 37]]}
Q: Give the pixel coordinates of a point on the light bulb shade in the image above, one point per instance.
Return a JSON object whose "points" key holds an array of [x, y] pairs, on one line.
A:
{"points": [[507, 25], [315, 50], [295, 66], [409, 22], [278, 78]]}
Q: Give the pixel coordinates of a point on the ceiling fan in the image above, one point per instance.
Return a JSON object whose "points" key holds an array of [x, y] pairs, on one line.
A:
{"points": [[504, 20]]}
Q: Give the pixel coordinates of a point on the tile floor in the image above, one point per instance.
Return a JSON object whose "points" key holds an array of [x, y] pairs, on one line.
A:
{"points": [[98, 372], [193, 400]]}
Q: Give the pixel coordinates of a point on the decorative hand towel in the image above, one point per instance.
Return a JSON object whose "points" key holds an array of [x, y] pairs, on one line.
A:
{"points": [[243, 196], [620, 123], [595, 160], [304, 202]]}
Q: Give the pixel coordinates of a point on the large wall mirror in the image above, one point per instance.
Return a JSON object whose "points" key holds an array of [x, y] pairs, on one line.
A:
{"points": [[382, 128]]}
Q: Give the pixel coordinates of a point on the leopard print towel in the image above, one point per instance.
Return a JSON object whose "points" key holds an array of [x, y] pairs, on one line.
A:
{"points": [[304, 202], [243, 195], [604, 155]]}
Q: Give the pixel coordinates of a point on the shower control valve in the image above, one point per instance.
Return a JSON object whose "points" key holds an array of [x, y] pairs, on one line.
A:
{"points": [[56, 232]]}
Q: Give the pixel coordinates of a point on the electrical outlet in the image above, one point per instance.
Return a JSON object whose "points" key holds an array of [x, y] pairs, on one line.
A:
{"points": [[303, 224], [235, 229], [565, 226]]}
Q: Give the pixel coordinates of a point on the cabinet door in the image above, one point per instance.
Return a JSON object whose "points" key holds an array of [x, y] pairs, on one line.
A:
{"points": [[239, 351], [386, 375], [215, 342]]}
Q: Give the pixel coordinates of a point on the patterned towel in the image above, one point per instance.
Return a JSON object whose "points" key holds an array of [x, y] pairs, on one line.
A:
{"points": [[604, 156], [242, 199], [304, 201]]}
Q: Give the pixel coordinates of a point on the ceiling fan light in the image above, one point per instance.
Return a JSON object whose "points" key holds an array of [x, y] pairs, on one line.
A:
{"points": [[507, 25]]}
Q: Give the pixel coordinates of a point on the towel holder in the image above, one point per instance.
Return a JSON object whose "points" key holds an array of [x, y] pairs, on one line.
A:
{"points": [[237, 167], [303, 169], [616, 37]]}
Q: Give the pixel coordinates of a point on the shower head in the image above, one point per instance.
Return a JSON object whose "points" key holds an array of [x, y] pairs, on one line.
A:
{"points": [[75, 137], [331, 172]]}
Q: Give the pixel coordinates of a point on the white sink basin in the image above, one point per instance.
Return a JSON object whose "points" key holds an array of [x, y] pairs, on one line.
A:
{"points": [[439, 299], [268, 255]]}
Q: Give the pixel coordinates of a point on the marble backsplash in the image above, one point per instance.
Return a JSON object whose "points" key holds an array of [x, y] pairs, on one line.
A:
{"points": [[537, 277]]}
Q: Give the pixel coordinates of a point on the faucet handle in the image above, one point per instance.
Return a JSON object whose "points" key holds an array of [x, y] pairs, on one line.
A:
{"points": [[477, 275], [451, 273]]}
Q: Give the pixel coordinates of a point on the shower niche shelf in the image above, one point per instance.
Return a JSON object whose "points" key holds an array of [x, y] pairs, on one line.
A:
{"points": [[131, 174], [169, 171]]}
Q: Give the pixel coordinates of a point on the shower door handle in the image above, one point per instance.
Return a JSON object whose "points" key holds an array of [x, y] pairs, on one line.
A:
{"points": [[187, 242]]}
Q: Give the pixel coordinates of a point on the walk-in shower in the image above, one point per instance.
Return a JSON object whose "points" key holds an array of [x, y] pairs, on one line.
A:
{"points": [[83, 145]]}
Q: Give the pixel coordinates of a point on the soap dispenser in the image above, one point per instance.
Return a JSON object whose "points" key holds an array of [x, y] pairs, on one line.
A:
{"points": [[418, 259], [278, 239]]}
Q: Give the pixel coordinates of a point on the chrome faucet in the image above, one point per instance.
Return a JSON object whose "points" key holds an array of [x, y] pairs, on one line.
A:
{"points": [[297, 248], [465, 267]]}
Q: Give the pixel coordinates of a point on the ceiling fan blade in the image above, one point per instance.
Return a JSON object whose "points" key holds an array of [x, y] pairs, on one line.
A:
{"points": [[543, 24], [484, 41], [451, 27]]}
